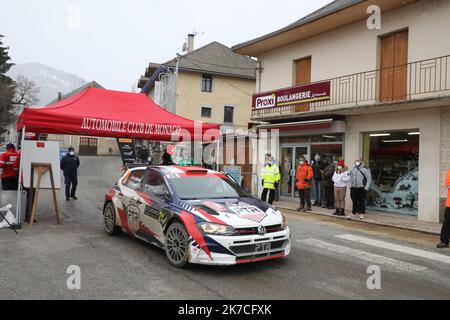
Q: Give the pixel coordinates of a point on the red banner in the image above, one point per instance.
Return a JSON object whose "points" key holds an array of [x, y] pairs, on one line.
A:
{"points": [[303, 94]]}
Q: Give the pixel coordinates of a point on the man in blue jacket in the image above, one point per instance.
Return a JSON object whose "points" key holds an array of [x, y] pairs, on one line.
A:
{"points": [[69, 165]]}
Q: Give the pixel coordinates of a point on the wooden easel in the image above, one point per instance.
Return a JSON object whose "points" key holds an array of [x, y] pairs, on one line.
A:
{"points": [[41, 168]]}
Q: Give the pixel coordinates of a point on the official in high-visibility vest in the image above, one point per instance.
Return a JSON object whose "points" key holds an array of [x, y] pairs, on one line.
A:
{"points": [[270, 179], [445, 233]]}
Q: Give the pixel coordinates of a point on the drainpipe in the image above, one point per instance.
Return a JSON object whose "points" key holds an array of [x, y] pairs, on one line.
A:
{"points": [[258, 76]]}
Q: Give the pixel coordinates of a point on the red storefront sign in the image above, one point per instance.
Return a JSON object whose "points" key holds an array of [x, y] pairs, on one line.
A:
{"points": [[292, 96]]}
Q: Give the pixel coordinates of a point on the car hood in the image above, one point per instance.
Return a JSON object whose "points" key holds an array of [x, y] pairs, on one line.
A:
{"points": [[237, 212]]}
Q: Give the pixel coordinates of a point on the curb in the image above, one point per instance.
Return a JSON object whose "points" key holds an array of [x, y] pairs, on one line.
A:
{"points": [[368, 222]]}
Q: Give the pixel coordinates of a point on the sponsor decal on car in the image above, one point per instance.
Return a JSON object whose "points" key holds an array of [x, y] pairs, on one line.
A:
{"points": [[247, 211]]}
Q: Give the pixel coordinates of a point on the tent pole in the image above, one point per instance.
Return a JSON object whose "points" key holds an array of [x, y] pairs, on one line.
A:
{"points": [[218, 154], [19, 190]]}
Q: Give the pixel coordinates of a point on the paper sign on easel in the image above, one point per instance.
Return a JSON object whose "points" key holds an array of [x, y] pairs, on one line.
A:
{"points": [[41, 152]]}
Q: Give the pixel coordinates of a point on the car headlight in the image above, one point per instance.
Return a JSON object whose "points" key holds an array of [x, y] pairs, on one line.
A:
{"points": [[283, 222], [217, 229]]}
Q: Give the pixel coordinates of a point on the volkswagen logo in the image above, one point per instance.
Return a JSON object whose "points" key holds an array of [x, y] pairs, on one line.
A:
{"points": [[261, 230]]}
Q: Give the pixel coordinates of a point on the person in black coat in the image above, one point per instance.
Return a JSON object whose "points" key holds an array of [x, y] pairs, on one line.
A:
{"points": [[318, 166], [69, 165], [167, 160]]}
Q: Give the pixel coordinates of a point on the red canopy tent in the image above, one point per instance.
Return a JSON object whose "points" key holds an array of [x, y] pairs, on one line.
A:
{"points": [[106, 113]]}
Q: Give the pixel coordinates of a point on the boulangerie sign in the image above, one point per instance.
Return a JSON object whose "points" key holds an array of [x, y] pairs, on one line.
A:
{"points": [[303, 94]]}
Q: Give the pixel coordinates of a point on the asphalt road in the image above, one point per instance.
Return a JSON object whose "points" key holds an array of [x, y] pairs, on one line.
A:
{"points": [[329, 259]]}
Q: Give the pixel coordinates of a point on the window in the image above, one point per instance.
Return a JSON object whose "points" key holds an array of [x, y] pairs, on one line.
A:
{"points": [[134, 179], [206, 112], [155, 184], [206, 187], [228, 114], [206, 83], [393, 158]]}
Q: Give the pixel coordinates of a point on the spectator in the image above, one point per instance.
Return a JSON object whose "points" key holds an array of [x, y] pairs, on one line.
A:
{"points": [[69, 165], [167, 160], [9, 161], [340, 178], [318, 167], [304, 176], [361, 179], [445, 233], [328, 185]]}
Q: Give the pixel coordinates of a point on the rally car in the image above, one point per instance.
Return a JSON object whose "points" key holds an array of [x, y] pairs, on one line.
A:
{"points": [[196, 215]]}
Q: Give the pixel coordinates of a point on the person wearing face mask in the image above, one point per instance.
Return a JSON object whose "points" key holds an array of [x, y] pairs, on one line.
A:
{"points": [[328, 185], [361, 179], [304, 176], [318, 166], [69, 165], [270, 179], [340, 178]]}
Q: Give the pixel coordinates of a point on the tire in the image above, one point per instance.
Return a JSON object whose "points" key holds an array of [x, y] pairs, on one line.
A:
{"points": [[177, 245], [109, 220]]}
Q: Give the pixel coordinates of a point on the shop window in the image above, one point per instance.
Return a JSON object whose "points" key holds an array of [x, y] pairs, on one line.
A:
{"points": [[393, 158]]}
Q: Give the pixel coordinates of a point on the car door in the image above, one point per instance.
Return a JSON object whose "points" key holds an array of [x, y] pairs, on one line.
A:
{"points": [[130, 200], [156, 213]]}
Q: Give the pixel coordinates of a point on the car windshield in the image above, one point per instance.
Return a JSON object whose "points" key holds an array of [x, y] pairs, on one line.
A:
{"points": [[206, 187]]}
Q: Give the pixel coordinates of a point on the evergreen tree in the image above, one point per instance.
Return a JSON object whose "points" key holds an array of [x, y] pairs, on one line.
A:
{"points": [[7, 86]]}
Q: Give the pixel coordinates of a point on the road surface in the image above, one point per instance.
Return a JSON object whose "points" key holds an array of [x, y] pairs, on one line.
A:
{"points": [[330, 259]]}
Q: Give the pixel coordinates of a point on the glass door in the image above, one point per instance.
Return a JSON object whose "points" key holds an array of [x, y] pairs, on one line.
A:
{"points": [[290, 159], [286, 169]]}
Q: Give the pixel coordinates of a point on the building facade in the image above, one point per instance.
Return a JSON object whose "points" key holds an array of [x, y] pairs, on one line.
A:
{"points": [[211, 84], [380, 92]]}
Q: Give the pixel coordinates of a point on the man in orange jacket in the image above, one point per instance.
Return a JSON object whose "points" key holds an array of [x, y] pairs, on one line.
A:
{"points": [[445, 233], [304, 175], [10, 174]]}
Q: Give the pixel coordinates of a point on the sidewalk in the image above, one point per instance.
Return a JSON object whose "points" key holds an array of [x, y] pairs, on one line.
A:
{"points": [[373, 217]]}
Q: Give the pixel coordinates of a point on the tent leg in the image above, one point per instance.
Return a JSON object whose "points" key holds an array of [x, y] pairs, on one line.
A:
{"points": [[218, 154], [19, 190]]}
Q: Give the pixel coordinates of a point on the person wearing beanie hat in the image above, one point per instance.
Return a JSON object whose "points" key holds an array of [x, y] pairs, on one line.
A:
{"points": [[9, 161], [340, 178]]}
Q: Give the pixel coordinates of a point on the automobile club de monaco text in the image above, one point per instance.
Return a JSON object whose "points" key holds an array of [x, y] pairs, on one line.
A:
{"points": [[130, 127]]}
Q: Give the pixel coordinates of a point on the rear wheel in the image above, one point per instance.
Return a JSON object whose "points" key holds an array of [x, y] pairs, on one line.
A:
{"points": [[177, 245], [109, 220]]}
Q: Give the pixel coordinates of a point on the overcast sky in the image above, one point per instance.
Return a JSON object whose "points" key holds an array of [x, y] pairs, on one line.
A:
{"points": [[113, 41]]}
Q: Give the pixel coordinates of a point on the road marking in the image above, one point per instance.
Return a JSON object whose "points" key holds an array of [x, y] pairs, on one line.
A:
{"points": [[395, 247], [363, 255]]}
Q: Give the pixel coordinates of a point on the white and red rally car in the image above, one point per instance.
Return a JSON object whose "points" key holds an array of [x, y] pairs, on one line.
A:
{"points": [[196, 215]]}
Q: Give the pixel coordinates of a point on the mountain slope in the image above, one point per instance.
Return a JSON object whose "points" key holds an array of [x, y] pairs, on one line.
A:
{"points": [[49, 80]]}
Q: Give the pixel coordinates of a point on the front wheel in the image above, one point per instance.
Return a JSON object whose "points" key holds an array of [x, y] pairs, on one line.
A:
{"points": [[177, 245], [109, 219]]}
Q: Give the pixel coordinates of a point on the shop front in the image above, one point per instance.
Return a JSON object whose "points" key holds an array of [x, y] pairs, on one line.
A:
{"points": [[324, 137], [402, 150]]}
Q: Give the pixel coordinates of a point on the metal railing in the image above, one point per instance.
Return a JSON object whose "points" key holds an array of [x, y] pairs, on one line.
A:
{"points": [[416, 80]]}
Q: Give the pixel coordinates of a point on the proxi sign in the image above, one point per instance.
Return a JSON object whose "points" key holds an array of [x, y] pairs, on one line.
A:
{"points": [[304, 94]]}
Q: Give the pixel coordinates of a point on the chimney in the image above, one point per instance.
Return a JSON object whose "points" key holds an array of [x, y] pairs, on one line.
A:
{"points": [[59, 96], [190, 43]]}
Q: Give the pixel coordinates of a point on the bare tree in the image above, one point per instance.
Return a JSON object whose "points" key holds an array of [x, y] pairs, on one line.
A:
{"points": [[25, 93]]}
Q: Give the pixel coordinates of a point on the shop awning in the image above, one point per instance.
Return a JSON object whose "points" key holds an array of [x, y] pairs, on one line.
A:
{"points": [[106, 113], [300, 125]]}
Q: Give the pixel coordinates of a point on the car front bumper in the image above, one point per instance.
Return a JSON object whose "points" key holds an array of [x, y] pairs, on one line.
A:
{"points": [[231, 250]]}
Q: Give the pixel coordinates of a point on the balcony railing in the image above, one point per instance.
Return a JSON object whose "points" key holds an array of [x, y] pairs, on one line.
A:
{"points": [[416, 80]]}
